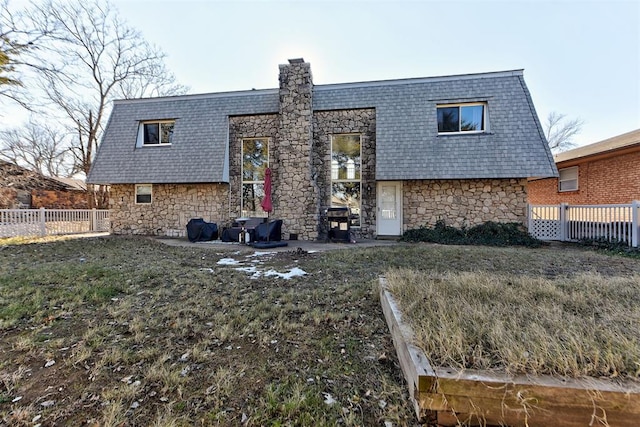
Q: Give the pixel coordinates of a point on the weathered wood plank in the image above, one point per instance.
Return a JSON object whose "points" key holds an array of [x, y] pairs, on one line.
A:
{"points": [[414, 364], [544, 390], [497, 412]]}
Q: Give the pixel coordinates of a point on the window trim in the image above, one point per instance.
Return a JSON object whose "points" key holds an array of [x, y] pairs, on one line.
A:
{"points": [[242, 181], [140, 139], [359, 180], [576, 179], [485, 120], [150, 194]]}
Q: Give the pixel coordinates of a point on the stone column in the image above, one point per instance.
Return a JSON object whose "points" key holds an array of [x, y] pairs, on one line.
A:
{"points": [[295, 190]]}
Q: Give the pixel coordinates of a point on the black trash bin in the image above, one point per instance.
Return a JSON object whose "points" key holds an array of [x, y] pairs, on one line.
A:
{"points": [[339, 224]]}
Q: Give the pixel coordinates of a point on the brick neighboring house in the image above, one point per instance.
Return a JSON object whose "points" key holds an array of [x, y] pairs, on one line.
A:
{"points": [[398, 153], [21, 188], [606, 172]]}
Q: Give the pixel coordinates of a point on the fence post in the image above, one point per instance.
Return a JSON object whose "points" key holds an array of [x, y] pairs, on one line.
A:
{"points": [[635, 205], [43, 224], [94, 219], [564, 223]]}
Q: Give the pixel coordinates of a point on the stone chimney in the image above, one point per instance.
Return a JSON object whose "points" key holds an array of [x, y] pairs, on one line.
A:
{"points": [[296, 196]]}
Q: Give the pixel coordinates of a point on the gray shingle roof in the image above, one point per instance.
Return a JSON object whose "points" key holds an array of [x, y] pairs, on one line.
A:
{"points": [[407, 143], [199, 148]]}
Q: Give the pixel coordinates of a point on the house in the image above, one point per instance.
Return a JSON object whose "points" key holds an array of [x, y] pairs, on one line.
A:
{"points": [[399, 153], [21, 188], [607, 172]]}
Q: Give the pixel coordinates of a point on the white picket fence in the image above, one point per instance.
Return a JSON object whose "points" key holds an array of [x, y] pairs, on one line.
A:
{"points": [[44, 222], [572, 223]]}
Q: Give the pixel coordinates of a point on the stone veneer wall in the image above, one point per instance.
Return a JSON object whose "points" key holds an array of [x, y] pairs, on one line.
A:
{"points": [[295, 190], [258, 126], [464, 202], [363, 122], [172, 206]]}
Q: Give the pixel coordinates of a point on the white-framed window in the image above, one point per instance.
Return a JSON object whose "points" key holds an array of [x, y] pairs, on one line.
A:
{"points": [[155, 133], [255, 160], [143, 193], [346, 167], [462, 118], [568, 180]]}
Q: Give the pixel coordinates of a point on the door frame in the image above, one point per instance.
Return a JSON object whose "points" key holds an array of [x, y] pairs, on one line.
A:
{"points": [[399, 203]]}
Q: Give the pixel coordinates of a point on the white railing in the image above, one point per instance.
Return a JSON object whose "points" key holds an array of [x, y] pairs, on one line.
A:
{"points": [[43, 222], [572, 223]]}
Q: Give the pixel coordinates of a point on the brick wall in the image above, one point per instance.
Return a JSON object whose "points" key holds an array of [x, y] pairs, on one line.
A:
{"points": [[612, 180], [172, 206], [52, 199], [464, 202]]}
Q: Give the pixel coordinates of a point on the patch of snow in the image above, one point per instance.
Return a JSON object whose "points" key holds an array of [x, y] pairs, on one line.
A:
{"points": [[328, 399], [256, 254], [208, 270], [292, 273], [228, 261], [251, 269]]}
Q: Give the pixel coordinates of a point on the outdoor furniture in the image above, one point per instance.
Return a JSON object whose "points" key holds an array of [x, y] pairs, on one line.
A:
{"points": [[271, 231], [247, 225], [339, 224], [198, 230]]}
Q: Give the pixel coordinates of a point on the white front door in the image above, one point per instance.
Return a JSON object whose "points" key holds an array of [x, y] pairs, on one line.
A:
{"points": [[389, 218]]}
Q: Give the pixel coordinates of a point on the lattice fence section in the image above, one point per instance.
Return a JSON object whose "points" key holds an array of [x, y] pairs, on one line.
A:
{"points": [[544, 222]]}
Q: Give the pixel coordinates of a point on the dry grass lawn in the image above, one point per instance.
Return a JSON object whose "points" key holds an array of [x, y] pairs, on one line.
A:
{"points": [[127, 331], [580, 325]]}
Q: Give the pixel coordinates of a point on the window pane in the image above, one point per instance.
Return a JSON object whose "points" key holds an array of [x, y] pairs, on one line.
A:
{"points": [[472, 118], [568, 185], [254, 159], [448, 119], [143, 198], [347, 194], [151, 133], [143, 189], [252, 195], [345, 157], [166, 130]]}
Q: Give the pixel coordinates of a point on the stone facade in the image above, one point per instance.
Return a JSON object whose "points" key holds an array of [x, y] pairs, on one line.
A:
{"points": [[362, 122], [241, 127], [464, 202], [295, 190], [300, 161], [172, 206]]}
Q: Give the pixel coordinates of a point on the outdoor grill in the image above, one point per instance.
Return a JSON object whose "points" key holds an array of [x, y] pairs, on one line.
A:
{"points": [[338, 222]]}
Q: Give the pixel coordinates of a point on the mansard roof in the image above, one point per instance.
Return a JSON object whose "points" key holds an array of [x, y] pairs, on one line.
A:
{"points": [[408, 145]]}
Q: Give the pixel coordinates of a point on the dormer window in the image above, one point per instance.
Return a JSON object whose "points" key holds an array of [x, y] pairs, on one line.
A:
{"points": [[462, 118], [155, 133]]}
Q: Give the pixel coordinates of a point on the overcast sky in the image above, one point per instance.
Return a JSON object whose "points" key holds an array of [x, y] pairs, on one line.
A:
{"points": [[580, 58]]}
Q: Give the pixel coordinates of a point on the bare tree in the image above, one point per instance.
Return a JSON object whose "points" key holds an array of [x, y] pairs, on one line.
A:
{"points": [[560, 131], [86, 57], [39, 147], [16, 39]]}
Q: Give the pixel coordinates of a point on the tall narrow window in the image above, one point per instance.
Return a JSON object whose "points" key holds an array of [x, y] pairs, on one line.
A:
{"points": [[346, 166], [255, 160]]}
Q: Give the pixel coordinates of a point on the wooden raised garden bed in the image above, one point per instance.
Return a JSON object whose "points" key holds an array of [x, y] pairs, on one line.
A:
{"points": [[451, 397]]}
